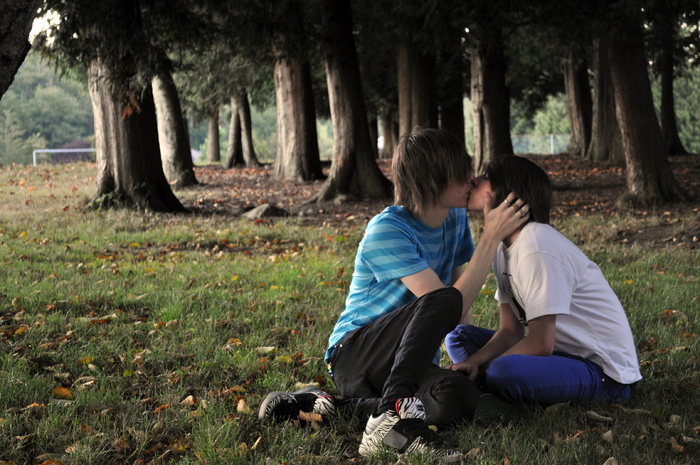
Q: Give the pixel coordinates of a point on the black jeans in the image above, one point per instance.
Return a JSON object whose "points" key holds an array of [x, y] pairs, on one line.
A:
{"points": [[391, 358]]}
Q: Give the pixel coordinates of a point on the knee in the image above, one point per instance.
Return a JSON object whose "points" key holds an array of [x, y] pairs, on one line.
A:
{"points": [[454, 399], [447, 300], [455, 342], [506, 376]]}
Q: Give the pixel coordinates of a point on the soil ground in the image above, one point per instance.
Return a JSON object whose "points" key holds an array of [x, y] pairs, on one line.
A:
{"points": [[580, 187]]}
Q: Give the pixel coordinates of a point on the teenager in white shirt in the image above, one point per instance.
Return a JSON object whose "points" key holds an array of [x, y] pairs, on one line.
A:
{"points": [[563, 334]]}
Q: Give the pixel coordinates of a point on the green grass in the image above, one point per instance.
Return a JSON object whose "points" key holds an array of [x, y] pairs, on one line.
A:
{"points": [[134, 313]]}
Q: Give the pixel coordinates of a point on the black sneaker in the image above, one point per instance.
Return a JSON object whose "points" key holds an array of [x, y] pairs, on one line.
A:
{"points": [[282, 406], [405, 431]]}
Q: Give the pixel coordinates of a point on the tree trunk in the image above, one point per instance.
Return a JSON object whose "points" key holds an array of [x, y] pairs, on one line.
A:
{"points": [[234, 151], [249, 157], [129, 168], [297, 142], [580, 105], [15, 24], [175, 150], [606, 140], [490, 101], [387, 123], [451, 89], [374, 134], [669, 127], [417, 89], [213, 146], [354, 171], [649, 176]]}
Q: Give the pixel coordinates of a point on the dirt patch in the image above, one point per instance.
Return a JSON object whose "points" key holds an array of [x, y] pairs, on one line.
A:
{"points": [[580, 187]]}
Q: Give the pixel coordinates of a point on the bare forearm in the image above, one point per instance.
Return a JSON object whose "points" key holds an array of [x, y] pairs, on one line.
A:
{"points": [[498, 345]]}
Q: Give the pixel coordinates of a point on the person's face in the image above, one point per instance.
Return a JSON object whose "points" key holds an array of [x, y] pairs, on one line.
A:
{"points": [[475, 198], [456, 195]]}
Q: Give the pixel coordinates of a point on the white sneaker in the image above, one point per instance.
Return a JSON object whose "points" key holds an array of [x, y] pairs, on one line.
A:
{"points": [[405, 431]]}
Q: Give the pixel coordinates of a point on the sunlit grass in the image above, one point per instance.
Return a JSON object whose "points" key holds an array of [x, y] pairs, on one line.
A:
{"points": [[169, 330]]}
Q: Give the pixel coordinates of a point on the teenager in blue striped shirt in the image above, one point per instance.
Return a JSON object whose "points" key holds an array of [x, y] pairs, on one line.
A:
{"points": [[409, 289]]}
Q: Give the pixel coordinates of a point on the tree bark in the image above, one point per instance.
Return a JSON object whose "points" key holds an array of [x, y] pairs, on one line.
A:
{"points": [[387, 123], [15, 24], [297, 141], [129, 168], [175, 150], [240, 140], [354, 171], [580, 105], [649, 176], [490, 101], [451, 89], [374, 134], [669, 127], [249, 156], [417, 89], [234, 151], [213, 146], [606, 140]]}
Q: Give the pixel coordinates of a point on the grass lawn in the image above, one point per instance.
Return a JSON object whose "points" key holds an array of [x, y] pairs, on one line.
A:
{"points": [[128, 337]]}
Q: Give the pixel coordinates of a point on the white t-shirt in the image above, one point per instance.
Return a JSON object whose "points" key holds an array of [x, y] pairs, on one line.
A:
{"points": [[543, 273]]}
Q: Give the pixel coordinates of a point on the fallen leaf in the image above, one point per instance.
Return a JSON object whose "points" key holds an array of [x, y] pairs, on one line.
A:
{"points": [[162, 407], [608, 436], [62, 393], [243, 407]]}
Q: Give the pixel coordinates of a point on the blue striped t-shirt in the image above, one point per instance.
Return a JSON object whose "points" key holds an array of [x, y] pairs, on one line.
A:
{"points": [[396, 245]]}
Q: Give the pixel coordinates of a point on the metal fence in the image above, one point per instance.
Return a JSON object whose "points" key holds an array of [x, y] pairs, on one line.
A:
{"points": [[550, 143]]}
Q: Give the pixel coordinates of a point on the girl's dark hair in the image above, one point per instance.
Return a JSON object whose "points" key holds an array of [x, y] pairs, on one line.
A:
{"points": [[528, 181], [424, 163]]}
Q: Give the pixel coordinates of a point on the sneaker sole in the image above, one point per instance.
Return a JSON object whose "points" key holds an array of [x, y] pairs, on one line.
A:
{"points": [[310, 388]]}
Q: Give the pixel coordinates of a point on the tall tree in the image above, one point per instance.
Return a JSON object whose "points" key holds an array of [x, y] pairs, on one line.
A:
{"points": [[377, 60], [129, 169], [15, 23], [176, 154], [240, 149], [672, 45], [489, 94], [649, 176], [109, 39], [606, 140], [580, 104], [297, 142], [354, 171]]}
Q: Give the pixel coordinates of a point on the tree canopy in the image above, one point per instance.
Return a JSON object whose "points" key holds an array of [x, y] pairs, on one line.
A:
{"points": [[417, 61]]}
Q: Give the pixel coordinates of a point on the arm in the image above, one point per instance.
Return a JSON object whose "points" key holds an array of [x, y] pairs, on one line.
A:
{"points": [[509, 340], [509, 334], [499, 223], [540, 338]]}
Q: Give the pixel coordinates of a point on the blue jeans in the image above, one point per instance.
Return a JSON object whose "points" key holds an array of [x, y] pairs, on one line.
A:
{"points": [[560, 377]]}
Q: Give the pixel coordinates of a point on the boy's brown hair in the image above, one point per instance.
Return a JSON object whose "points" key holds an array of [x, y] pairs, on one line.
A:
{"points": [[424, 163]]}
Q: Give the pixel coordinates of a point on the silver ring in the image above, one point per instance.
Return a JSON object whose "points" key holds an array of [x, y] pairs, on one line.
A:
{"points": [[522, 213], [510, 204]]}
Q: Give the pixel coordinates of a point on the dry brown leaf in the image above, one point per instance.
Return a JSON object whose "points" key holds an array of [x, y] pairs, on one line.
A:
{"points": [[243, 407], [189, 400], [62, 393]]}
